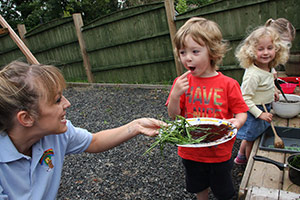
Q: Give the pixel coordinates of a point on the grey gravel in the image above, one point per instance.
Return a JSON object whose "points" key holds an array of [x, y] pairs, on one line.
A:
{"points": [[124, 172]]}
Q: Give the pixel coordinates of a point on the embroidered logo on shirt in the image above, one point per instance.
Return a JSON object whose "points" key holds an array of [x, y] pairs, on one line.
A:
{"points": [[46, 158]]}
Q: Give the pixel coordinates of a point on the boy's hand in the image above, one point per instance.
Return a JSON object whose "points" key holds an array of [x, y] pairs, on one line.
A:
{"points": [[181, 85], [238, 120], [235, 122]]}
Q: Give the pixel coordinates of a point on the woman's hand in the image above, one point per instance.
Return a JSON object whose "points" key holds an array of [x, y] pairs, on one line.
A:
{"points": [[149, 126], [107, 139]]}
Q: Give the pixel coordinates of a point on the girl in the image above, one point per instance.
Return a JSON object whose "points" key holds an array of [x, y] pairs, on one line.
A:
{"points": [[204, 92], [261, 51], [35, 135], [287, 33], [285, 29]]}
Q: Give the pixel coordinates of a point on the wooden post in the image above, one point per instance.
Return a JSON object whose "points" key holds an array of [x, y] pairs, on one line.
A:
{"points": [[86, 61], [22, 31], [31, 59], [170, 11], [3, 31]]}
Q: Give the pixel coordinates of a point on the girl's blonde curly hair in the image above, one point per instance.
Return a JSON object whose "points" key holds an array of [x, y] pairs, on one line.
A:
{"points": [[246, 51]]}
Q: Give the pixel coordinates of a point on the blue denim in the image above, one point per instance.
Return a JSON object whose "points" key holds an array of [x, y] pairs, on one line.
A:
{"points": [[253, 127]]}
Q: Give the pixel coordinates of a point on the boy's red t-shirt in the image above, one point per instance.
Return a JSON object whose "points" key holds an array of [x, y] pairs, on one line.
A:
{"points": [[218, 97]]}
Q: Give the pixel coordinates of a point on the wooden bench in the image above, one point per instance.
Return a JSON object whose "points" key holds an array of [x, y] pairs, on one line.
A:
{"points": [[265, 181]]}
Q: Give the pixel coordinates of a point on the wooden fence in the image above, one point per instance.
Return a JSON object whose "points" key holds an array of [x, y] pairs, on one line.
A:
{"points": [[238, 18], [134, 45]]}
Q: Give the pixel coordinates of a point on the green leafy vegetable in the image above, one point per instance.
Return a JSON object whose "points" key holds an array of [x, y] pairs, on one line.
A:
{"points": [[295, 161], [179, 132]]}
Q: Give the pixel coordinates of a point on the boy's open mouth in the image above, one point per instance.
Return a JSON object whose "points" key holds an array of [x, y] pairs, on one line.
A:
{"points": [[192, 68]]}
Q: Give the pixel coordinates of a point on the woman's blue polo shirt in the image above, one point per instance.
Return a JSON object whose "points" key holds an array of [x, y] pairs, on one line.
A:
{"points": [[38, 177]]}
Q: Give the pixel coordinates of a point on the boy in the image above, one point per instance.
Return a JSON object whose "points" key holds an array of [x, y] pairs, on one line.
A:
{"points": [[204, 92]]}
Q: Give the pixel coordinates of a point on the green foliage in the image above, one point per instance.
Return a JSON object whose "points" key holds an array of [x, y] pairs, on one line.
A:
{"points": [[7, 11], [34, 12], [178, 132], [181, 6], [295, 161], [130, 3], [198, 3], [186, 5]]}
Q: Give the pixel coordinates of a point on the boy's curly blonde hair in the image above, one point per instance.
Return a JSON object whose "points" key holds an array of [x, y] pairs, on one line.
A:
{"points": [[246, 51], [207, 31]]}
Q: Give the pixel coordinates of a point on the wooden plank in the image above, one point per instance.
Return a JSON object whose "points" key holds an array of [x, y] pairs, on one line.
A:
{"points": [[265, 174], [287, 183], [18, 42], [247, 173], [86, 61], [294, 122], [22, 31], [261, 193], [284, 195], [279, 121], [3, 31], [170, 12]]}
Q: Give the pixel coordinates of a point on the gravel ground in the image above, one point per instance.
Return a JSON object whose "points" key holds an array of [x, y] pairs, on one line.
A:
{"points": [[123, 172]]}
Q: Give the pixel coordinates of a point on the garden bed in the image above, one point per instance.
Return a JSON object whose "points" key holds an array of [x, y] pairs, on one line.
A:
{"points": [[123, 172]]}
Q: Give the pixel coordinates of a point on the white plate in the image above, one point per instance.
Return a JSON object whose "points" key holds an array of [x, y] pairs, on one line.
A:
{"points": [[232, 131]]}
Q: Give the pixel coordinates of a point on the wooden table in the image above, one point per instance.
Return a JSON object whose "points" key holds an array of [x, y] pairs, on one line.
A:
{"points": [[265, 181]]}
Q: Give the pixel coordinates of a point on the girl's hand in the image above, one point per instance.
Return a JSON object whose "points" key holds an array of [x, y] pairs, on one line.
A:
{"points": [[181, 85], [274, 72], [276, 95], [266, 116]]}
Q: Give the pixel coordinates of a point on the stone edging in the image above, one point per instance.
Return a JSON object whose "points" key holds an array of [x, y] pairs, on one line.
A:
{"points": [[143, 86]]}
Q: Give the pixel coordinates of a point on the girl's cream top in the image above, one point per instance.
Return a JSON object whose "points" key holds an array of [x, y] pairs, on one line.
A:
{"points": [[257, 88]]}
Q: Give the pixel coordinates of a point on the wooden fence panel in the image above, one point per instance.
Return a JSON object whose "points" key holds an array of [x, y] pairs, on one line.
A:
{"points": [[134, 46], [56, 43], [9, 51], [126, 47], [238, 18]]}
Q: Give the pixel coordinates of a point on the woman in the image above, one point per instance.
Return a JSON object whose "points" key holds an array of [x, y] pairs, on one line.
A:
{"points": [[35, 134]]}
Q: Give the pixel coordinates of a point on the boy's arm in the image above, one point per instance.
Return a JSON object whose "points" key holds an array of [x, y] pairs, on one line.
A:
{"points": [[180, 86], [174, 107], [239, 120]]}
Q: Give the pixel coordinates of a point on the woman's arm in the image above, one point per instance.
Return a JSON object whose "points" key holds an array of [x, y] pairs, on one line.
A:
{"points": [[107, 139]]}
